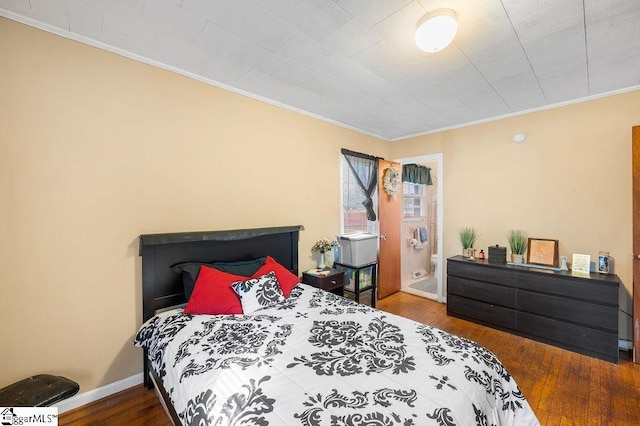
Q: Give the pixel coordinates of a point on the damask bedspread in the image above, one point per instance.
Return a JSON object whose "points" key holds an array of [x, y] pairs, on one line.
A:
{"points": [[320, 359]]}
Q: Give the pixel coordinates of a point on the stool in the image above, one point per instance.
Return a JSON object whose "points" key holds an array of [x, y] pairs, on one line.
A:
{"points": [[42, 390]]}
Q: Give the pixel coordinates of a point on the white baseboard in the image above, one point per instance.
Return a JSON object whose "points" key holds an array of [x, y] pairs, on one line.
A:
{"points": [[93, 395]]}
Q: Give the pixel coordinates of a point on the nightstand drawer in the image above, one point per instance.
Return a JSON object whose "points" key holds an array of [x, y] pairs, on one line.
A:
{"points": [[334, 280]]}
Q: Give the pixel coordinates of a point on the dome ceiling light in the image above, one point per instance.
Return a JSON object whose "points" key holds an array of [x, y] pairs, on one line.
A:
{"points": [[436, 30]]}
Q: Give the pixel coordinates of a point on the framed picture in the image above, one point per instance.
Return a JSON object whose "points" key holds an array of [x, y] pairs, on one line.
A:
{"points": [[581, 264], [543, 252]]}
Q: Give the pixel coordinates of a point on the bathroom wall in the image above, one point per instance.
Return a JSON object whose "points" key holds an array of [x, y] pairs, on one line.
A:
{"points": [[414, 259]]}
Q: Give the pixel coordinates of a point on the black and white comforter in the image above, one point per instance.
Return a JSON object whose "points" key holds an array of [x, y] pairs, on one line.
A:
{"points": [[320, 359]]}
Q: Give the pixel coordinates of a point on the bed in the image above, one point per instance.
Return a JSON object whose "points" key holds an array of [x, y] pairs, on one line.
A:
{"points": [[308, 358]]}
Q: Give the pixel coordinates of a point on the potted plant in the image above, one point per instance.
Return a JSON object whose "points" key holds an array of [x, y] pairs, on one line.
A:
{"points": [[518, 244], [468, 237]]}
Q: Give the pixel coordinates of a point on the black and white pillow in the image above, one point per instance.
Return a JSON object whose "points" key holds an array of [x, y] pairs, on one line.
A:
{"points": [[258, 293]]}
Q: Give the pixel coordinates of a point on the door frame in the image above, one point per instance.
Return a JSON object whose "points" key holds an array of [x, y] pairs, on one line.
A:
{"points": [[442, 297], [635, 159]]}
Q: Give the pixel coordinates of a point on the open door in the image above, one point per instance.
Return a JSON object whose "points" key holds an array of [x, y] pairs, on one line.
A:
{"points": [[635, 138], [389, 216]]}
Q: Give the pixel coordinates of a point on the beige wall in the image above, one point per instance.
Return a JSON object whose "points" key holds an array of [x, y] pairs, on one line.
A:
{"points": [[96, 149], [570, 180]]}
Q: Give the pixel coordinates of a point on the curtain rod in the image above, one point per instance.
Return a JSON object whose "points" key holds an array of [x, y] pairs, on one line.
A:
{"points": [[359, 154]]}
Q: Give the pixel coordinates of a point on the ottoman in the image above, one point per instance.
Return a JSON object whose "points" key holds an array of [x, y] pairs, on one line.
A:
{"points": [[42, 390]]}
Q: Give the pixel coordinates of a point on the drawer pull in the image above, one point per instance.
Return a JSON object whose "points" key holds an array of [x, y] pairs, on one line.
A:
{"points": [[333, 281]]}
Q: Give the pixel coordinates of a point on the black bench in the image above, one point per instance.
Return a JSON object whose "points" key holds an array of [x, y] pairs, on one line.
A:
{"points": [[42, 390]]}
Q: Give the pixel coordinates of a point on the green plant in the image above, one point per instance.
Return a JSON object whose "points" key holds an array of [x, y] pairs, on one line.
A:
{"points": [[517, 241], [468, 237]]}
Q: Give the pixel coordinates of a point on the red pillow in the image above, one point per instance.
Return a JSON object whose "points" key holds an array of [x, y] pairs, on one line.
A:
{"points": [[212, 293], [287, 279]]}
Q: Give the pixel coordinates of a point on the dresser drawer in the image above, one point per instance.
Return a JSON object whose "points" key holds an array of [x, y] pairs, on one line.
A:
{"points": [[578, 338], [482, 291], [335, 280], [481, 312], [575, 311], [575, 287], [469, 269]]}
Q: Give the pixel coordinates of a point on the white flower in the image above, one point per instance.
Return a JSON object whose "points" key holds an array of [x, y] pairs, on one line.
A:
{"points": [[322, 245]]}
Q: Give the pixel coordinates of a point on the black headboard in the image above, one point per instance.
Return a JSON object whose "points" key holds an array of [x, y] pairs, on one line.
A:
{"points": [[162, 288]]}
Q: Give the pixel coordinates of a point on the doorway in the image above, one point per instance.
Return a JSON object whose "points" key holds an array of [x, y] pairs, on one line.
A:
{"points": [[421, 238]]}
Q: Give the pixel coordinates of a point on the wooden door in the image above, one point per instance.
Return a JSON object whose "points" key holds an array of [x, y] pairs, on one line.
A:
{"points": [[389, 216], [635, 140]]}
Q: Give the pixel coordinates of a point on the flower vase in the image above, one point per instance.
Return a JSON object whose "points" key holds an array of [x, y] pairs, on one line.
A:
{"points": [[321, 264]]}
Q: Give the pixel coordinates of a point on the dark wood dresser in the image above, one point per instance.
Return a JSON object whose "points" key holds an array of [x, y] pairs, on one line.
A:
{"points": [[575, 313]]}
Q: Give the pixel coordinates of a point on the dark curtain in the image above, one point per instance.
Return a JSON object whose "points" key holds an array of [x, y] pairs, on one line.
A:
{"points": [[416, 174], [365, 170]]}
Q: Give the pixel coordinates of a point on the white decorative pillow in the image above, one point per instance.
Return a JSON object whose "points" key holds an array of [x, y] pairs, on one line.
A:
{"points": [[258, 293]]}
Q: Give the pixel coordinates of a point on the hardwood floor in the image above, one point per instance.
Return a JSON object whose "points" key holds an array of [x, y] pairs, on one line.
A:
{"points": [[562, 387]]}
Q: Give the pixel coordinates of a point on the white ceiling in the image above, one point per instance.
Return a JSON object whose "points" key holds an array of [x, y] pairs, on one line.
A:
{"points": [[354, 62]]}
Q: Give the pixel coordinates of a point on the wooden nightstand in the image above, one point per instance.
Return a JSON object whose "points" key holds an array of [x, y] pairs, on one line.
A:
{"points": [[333, 281]]}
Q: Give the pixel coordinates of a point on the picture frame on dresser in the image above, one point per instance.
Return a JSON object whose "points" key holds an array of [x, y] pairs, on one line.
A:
{"points": [[542, 251], [581, 264]]}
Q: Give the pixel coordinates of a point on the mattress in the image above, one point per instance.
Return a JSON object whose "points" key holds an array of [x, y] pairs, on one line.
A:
{"points": [[321, 359]]}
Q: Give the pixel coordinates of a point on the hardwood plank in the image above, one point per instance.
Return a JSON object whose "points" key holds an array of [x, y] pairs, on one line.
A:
{"points": [[538, 378], [134, 406], [581, 412], [595, 403], [606, 399], [562, 387], [632, 386], [559, 393], [620, 408]]}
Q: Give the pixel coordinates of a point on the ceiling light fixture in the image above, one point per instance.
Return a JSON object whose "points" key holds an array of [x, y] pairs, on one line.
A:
{"points": [[436, 30]]}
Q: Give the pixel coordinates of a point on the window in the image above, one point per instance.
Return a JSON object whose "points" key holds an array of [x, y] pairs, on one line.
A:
{"points": [[413, 201], [354, 214]]}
